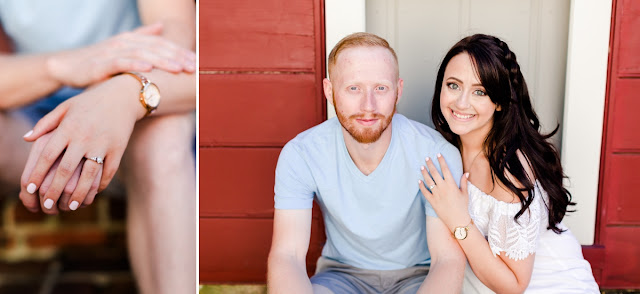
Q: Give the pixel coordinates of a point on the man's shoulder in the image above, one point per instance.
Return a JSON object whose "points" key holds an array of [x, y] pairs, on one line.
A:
{"points": [[315, 138], [418, 132]]}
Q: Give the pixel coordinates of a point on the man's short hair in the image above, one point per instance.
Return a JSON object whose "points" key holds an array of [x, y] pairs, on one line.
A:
{"points": [[358, 40]]}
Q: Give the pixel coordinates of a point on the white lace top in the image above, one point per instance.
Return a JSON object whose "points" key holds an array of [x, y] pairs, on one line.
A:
{"points": [[559, 266], [495, 220]]}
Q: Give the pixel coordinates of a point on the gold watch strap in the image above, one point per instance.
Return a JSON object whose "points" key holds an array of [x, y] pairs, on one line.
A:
{"points": [[143, 81]]}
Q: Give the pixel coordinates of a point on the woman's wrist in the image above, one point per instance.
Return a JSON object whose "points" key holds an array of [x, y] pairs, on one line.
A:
{"points": [[461, 222], [126, 90]]}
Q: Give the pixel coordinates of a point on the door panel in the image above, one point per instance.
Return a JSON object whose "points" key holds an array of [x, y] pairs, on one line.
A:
{"points": [[249, 193], [257, 110], [628, 48], [619, 222], [254, 35], [260, 84]]}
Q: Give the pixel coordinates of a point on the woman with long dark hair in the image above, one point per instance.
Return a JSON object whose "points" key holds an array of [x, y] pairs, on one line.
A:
{"points": [[508, 222]]}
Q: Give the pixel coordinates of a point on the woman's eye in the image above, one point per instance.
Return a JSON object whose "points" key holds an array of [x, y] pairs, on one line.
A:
{"points": [[453, 86], [479, 93]]}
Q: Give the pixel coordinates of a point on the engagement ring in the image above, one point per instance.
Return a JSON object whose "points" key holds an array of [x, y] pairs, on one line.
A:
{"points": [[99, 160]]}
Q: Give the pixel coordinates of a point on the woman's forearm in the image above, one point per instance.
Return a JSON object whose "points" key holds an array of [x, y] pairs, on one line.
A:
{"points": [[177, 91], [492, 270]]}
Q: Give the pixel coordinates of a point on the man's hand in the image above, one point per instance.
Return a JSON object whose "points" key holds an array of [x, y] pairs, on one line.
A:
{"points": [[98, 122], [140, 50]]}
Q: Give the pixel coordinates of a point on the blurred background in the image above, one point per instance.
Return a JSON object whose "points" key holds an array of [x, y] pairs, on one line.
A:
{"points": [[83, 251]]}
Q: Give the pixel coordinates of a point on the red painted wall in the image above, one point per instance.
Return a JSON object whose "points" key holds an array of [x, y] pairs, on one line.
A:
{"points": [[261, 71], [618, 226]]}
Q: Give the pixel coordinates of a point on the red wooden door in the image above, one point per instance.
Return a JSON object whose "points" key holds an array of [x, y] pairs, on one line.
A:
{"points": [[618, 226], [261, 71]]}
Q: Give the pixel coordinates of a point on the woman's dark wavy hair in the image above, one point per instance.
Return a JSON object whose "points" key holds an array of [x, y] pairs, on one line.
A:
{"points": [[515, 126]]}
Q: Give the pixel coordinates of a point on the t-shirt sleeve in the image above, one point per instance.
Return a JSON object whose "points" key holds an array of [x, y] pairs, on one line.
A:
{"points": [[294, 186]]}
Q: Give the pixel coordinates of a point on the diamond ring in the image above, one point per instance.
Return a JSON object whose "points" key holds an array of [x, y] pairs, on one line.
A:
{"points": [[431, 187], [99, 160]]}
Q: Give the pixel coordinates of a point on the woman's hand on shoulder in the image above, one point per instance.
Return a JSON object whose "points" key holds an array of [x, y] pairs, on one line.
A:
{"points": [[450, 202]]}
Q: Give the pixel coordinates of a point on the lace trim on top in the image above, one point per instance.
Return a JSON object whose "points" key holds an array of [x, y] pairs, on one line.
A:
{"points": [[495, 220]]}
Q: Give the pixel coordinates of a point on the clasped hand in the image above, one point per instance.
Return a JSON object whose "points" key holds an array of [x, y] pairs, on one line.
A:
{"points": [[450, 203], [96, 123]]}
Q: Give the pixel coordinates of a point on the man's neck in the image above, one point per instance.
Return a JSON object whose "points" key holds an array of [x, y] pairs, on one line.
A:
{"points": [[367, 157]]}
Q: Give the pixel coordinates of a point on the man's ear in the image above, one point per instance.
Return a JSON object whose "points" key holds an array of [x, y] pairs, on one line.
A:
{"points": [[400, 86], [328, 90]]}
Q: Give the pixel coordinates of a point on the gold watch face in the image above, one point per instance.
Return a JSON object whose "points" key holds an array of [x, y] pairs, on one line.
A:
{"points": [[151, 95], [460, 233]]}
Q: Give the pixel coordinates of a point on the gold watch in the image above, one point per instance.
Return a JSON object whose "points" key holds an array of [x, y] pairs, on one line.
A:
{"points": [[461, 232], [149, 93]]}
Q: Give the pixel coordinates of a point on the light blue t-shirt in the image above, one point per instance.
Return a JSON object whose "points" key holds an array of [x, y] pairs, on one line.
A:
{"points": [[37, 26], [372, 222]]}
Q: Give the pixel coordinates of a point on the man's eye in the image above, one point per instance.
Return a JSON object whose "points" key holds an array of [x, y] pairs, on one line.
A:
{"points": [[381, 88], [479, 93], [353, 88], [453, 86]]}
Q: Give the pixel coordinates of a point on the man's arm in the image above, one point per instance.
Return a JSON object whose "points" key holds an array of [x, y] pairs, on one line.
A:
{"points": [[140, 50], [447, 260], [287, 271], [177, 17], [163, 43]]}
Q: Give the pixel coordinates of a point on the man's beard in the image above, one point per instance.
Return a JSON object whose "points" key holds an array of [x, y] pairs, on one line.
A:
{"points": [[364, 135]]}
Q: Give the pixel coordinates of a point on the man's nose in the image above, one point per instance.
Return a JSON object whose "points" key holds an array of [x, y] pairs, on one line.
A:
{"points": [[369, 101]]}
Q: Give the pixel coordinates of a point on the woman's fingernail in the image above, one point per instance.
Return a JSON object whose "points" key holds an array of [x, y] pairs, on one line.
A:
{"points": [[466, 175], [74, 205], [426, 159], [422, 168], [48, 204], [439, 155], [31, 188], [28, 134]]}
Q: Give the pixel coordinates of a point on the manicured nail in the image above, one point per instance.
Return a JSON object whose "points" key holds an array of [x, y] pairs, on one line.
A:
{"points": [[426, 159], [422, 168], [74, 205], [439, 155], [48, 204], [31, 188], [466, 175], [28, 134]]}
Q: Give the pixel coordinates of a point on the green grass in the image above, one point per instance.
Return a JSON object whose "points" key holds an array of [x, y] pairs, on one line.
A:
{"points": [[233, 289]]}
